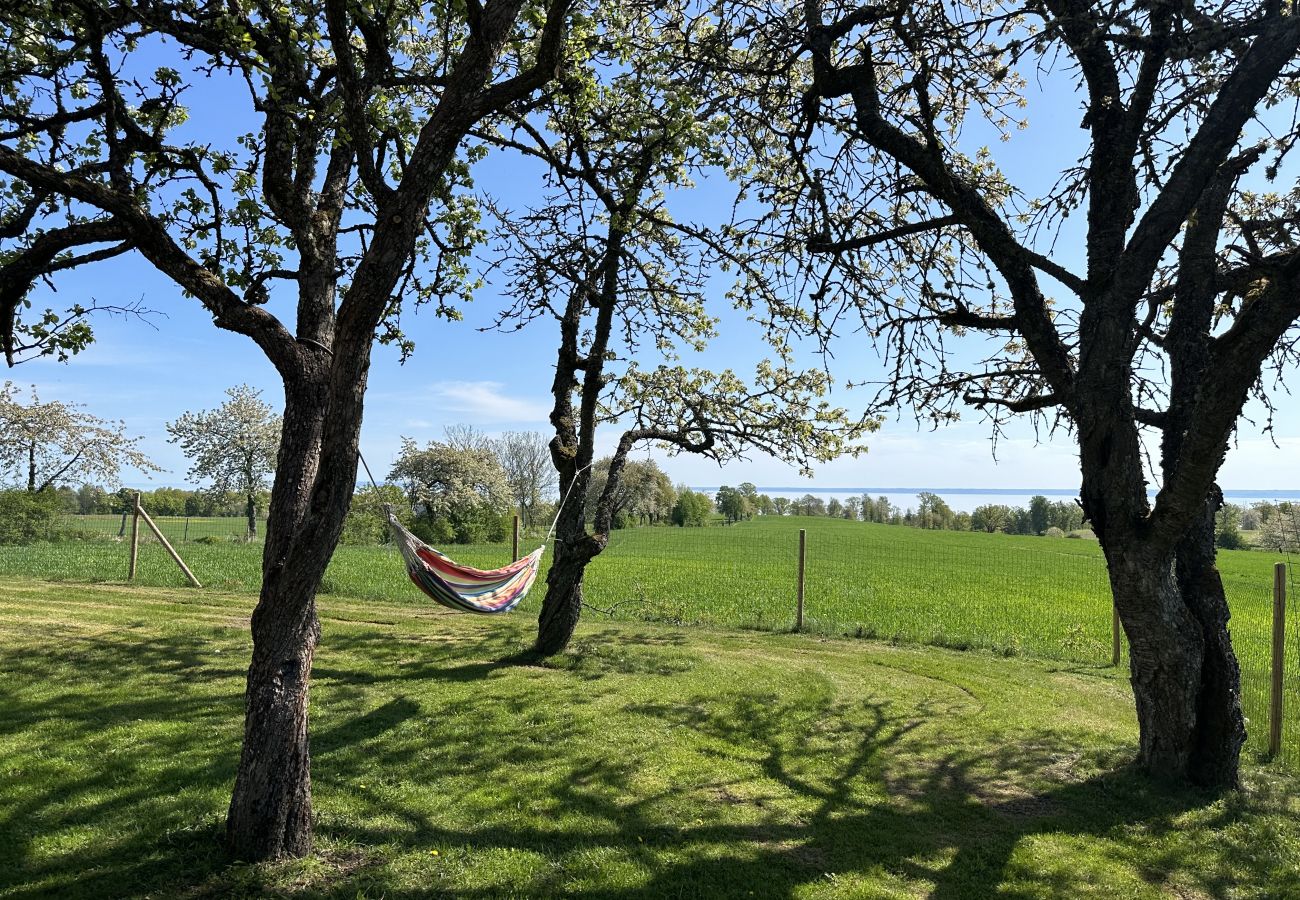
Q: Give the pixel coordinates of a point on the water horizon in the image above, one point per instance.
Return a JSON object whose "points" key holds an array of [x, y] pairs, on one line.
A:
{"points": [[966, 499]]}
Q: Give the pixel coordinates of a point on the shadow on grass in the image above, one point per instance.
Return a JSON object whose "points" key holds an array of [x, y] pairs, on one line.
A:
{"points": [[950, 818], [105, 795], [866, 789]]}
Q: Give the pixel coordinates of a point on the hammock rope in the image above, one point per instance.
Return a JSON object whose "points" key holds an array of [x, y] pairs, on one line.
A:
{"points": [[460, 587]]}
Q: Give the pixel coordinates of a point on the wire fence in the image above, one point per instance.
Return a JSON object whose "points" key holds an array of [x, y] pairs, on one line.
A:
{"points": [[1040, 596], [178, 529]]}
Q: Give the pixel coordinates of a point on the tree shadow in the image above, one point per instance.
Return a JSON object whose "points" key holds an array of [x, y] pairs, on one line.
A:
{"points": [[899, 804], [775, 797], [147, 762]]}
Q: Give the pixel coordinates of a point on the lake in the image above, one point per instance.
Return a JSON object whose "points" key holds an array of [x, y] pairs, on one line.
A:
{"points": [[966, 499]]}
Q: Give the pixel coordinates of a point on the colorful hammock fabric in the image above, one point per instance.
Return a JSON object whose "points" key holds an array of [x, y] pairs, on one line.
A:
{"points": [[462, 587]]}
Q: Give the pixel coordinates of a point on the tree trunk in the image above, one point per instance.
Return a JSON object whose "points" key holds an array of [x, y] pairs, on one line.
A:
{"points": [[1220, 725], [1170, 602], [562, 606], [250, 511], [1186, 683], [270, 812], [1165, 651]]}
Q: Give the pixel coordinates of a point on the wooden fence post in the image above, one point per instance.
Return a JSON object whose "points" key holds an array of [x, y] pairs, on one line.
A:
{"points": [[1115, 632], [803, 547], [514, 540], [135, 539], [1279, 659], [176, 557]]}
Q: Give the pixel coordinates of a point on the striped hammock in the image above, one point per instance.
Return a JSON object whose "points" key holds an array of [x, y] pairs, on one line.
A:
{"points": [[462, 587]]}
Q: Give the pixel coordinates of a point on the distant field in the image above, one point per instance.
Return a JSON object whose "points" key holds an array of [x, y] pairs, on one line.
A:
{"points": [[1045, 597]]}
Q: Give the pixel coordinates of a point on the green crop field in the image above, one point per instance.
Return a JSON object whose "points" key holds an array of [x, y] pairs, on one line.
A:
{"points": [[1039, 596]]}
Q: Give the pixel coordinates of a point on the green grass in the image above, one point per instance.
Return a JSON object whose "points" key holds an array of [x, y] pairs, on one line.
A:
{"points": [[1045, 597], [653, 761]]}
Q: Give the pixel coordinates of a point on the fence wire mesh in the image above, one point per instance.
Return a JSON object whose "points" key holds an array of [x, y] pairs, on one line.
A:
{"points": [[1039, 596]]}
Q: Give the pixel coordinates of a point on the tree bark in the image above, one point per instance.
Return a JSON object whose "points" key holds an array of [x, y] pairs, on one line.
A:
{"points": [[1165, 653], [270, 812], [1185, 678], [574, 549], [250, 512], [562, 606], [1220, 728]]}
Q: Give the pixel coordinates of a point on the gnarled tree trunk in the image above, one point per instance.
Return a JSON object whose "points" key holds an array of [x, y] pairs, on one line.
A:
{"points": [[1170, 600], [1220, 728], [1186, 683], [562, 606], [574, 549], [270, 813]]}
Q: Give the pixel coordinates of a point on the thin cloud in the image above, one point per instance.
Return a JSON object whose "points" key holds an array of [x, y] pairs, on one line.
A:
{"points": [[484, 401]]}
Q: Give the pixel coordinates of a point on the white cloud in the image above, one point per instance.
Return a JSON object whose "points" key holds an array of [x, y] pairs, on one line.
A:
{"points": [[483, 401]]}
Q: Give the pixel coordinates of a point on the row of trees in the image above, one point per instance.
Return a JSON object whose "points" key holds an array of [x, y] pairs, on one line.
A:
{"points": [[91, 499], [1276, 526], [931, 512], [49, 445]]}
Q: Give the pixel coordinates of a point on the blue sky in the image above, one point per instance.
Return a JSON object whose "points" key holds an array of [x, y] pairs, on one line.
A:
{"points": [[148, 374]]}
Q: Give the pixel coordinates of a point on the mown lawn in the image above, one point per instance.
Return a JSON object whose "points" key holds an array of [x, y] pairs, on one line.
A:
{"points": [[653, 761]]}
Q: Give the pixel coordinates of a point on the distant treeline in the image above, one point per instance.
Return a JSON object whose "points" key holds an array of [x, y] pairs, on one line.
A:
{"points": [[1276, 525], [648, 497], [931, 512], [90, 499]]}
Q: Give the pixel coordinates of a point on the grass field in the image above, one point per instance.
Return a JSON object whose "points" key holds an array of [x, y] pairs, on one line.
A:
{"points": [[653, 761], [1044, 597]]}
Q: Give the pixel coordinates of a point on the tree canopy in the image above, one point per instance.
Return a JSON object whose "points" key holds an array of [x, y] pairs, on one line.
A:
{"points": [[733, 503], [526, 460], [461, 488], [48, 443], [233, 447]]}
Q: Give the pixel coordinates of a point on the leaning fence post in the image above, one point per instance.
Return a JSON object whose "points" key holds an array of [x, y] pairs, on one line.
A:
{"points": [[514, 540], [1279, 659], [135, 539], [162, 539], [803, 547], [1115, 632]]}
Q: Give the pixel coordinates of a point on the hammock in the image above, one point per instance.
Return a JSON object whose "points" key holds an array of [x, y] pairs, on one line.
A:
{"points": [[462, 587]]}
